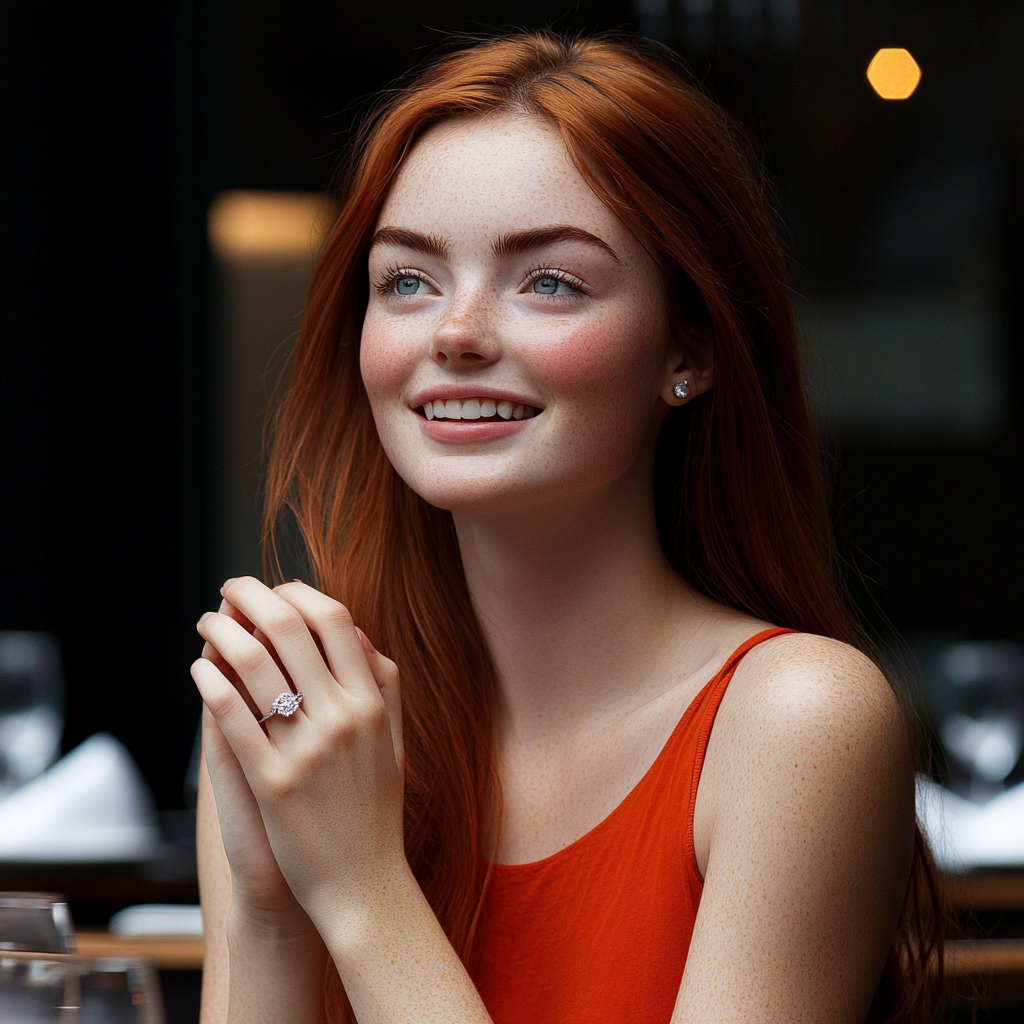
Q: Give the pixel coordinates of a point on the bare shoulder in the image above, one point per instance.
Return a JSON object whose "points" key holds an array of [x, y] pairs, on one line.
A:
{"points": [[802, 708], [803, 832], [811, 666], [804, 691]]}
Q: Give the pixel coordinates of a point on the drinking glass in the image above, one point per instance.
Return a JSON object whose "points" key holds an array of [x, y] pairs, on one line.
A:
{"points": [[975, 697], [31, 705], [41, 988], [38, 988], [35, 922], [119, 990]]}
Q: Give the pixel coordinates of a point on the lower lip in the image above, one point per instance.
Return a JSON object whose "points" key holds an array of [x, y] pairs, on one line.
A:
{"points": [[468, 432]]}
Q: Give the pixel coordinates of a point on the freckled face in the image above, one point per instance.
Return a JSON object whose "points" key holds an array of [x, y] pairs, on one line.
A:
{"points": [[498, 273]]}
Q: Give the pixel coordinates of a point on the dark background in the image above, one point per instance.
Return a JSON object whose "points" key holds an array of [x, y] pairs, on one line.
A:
{"points": [[122, 120]]}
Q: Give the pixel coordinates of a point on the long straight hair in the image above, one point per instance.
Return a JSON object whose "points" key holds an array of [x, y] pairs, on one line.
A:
{"points": [[741, 502]]}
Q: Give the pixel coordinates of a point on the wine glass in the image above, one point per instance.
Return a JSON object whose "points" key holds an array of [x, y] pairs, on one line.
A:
{"points": [[119, 990], [35, 922], [976, 703], [31, 705], [38, 988]]}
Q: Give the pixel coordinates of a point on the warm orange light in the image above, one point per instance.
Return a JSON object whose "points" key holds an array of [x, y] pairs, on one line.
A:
{"points": [[893, 73], [267, 224]]}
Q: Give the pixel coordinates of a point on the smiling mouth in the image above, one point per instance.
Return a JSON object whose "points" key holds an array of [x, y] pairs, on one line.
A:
{"points": [[478, 410]]}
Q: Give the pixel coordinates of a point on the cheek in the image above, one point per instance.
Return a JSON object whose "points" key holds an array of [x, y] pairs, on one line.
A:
{"points": [[615, 358], [384, 366], [382, 361]]}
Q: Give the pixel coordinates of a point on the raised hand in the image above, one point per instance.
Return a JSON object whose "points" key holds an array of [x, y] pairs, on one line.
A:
{"points": [[324, 783]]}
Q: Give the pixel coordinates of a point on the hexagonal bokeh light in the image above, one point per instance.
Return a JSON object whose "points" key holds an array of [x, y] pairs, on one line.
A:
{"points": [[893, 73]]}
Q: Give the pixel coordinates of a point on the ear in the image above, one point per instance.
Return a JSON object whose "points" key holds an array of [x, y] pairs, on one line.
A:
{"points": [[688, 367]]}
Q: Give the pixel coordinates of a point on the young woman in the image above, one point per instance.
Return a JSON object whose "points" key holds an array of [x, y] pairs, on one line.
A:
{"points": [[548, 447]]}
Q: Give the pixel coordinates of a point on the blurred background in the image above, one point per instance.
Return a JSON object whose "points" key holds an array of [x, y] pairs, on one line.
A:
{"points": [[166, 167]]}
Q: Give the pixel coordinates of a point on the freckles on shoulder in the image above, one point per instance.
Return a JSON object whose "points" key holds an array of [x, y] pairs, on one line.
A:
{"points": [[812, 719], [814, 680], [808, 832]]}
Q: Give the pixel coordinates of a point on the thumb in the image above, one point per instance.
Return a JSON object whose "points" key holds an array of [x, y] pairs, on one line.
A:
{"points": [[385, 672]]}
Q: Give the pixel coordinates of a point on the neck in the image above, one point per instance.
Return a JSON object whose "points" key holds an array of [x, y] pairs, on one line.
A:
{"points": [[578, 606]]}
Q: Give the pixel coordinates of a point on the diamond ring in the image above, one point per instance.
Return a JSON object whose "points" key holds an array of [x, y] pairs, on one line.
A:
{"points": [[284, 704]]}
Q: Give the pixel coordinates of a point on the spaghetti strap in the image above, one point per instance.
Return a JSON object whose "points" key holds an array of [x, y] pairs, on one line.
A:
{"points": [[712, 699], [749, 644]]}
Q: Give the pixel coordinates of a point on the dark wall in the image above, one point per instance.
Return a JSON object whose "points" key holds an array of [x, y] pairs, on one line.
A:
{"points": [[103, 441], [932, 525], [301, 73]]}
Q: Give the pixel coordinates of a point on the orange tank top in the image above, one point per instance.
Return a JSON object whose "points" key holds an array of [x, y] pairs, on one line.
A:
{"points": [[598, 932]]}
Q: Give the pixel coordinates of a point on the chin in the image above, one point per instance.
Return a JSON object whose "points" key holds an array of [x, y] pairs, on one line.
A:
{"points": [[474, 500], [475, 496]]}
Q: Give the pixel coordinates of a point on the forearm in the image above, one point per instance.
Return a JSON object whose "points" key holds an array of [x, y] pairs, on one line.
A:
{"points": [[274, 978], [397, 964]]}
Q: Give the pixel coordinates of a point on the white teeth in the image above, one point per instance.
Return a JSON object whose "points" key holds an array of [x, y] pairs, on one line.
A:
{"points": [[475, 408]]}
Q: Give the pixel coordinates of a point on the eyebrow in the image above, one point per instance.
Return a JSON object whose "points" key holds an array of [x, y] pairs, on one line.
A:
{"points": [[431, 245], [511, 244], [522, 241]]}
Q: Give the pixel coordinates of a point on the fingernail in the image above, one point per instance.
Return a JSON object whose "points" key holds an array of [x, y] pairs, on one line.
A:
{"points": [[365, 637], [227, 583]]}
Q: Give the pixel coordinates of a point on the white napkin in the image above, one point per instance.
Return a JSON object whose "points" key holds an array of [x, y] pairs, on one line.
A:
{"points": [[92, 805], [965, 836], [158, 919]]}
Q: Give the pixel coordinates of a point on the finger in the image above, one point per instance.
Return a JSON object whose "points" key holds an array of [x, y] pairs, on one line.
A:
{"points": [[368, 648], [287, 632], [234, 721], [230, 788], [212, 654], [385, 672], [228, 608], [331, 622], [209, 651], [258, 672]]}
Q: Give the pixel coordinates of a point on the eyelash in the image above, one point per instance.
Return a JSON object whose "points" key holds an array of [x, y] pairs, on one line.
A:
{"points": [[385, 286], [559, 275]]}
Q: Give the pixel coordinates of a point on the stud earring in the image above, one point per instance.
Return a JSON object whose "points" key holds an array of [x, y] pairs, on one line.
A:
{"points": [[681, 389]]}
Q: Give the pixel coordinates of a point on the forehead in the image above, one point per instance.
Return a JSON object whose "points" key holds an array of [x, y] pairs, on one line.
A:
{"points": [[493, 174]]}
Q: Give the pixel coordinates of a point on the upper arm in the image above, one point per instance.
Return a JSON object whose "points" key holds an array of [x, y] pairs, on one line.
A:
{"points": [[807, 806], [215, 892]]}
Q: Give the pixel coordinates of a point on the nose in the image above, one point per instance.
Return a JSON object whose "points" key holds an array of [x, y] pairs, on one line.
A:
{"points": [[465, 336]]}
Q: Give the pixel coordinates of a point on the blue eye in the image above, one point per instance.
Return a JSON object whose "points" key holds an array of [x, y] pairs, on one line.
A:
{"points": [[407, 285], [547, 285]]}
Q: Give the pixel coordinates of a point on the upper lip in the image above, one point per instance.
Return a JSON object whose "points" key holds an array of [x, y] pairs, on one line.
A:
{"points": [[445, 392]]}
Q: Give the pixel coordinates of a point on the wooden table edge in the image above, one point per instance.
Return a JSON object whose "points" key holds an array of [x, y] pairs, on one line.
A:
{"points": [[964, 957], [984, 957], [1000, 891], [168, 952]]}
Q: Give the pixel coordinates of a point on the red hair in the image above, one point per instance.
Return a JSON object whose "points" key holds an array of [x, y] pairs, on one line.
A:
{"points": [[740, 496]]}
